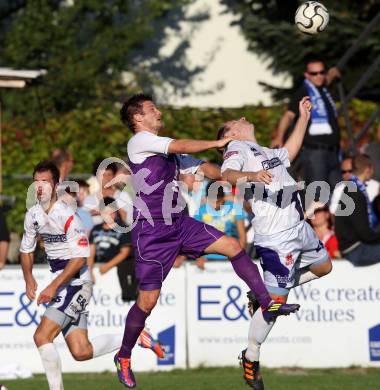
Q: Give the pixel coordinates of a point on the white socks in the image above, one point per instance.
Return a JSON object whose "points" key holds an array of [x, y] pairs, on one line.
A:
{"points": [[258, 332], [106, 343], [52, 364]]}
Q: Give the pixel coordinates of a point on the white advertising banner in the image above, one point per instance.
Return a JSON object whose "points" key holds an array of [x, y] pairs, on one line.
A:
{"points": [[338, 324], [19, 318]]}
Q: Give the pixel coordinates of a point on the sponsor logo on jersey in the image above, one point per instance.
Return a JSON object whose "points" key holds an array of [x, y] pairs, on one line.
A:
{"points": [[53, 238], [289, 259], [272, 163], [229, 154], [82, 241], [255, 151]]}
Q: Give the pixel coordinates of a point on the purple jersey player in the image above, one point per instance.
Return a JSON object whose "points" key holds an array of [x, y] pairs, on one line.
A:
{"points": [[162, 230]]}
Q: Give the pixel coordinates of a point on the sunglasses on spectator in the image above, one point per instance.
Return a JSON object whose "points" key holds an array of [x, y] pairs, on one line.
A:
{"points": [[346, 171], [321, 72]]}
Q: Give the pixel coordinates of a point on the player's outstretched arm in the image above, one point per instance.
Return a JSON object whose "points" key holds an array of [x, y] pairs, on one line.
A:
{"points": [[73, 266], [195, 146], [233, 176], [283, 125], [27, 260], [210, 170], [294, 143]]}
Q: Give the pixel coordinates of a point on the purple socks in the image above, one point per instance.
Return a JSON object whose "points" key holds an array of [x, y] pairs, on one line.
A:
{"points": [[248, 271], [134, 324]]}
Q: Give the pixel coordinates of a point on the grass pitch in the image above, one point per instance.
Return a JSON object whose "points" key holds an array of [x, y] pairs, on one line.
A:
{"points": [[216, 379]]}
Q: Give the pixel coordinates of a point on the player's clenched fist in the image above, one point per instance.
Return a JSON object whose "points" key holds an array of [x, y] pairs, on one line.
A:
{"points": [[46, 295], [305, 107], [261, 176], [31, 288]]}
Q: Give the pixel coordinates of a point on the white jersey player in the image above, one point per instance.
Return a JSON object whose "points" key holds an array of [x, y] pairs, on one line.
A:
{"points": [[290, 251], [69, 292]]}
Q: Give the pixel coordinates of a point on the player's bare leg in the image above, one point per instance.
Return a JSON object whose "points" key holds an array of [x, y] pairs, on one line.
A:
{"points": [[314, 271], [134, 324], [248, 271], [44, 336]]}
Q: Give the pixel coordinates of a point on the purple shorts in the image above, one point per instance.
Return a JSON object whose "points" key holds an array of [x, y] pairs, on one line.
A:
{"points": [[156, 247]]}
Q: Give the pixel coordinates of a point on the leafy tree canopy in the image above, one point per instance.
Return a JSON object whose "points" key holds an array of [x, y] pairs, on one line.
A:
{"points": [[269, 28], [84, 45]]}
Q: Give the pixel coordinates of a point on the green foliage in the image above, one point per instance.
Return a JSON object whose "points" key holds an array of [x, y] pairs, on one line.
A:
{"points": [[270, 30], [84, 45]]}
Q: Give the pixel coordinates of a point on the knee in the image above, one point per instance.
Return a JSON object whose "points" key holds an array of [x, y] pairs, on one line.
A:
{"points": [[328, 267], [233, 245], [41, 338], [81, 352], [147, 303], [324, 268]]}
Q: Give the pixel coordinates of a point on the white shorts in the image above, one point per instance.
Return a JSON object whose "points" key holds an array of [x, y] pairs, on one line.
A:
{"points": [[68, 307], [282, 254]]}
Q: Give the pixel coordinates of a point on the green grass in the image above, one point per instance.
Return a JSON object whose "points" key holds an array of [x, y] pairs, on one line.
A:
{"points": [[218, 378]]}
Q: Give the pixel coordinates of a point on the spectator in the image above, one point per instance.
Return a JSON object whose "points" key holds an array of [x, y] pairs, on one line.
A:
{"points": [[4, 240], [358, 241], [112, 248], [321, 223], [320, 153], [346, 171], [373, 150], [226, 216], [107, 189], [64, 161], [83, 213], [93, 181]]}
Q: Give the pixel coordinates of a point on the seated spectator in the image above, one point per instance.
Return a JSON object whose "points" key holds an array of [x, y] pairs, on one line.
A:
{"points": [[84, 214], [107, 189], [4, 240], [112, 248], [321, 223], [226, 216], [358, 240]]}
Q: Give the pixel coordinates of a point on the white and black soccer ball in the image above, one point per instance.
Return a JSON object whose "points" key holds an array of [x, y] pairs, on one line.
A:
{"points": [[2, 387], [312, 17]]}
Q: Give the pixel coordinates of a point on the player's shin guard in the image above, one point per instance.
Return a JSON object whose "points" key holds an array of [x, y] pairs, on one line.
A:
{"points": [[258, 332], [247, 270], [52, 365], [134, 324], [105, 343]]}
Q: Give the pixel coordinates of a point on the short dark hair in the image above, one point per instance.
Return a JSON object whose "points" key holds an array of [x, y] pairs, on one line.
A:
{"points": [[83, 183], [132, 107], [110, 167], [360, 162], [312, 58], [47, 166], [221, 131]]}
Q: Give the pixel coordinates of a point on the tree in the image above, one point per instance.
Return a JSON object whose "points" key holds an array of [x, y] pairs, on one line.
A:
{"points": [[86, 46], [269, 28]]}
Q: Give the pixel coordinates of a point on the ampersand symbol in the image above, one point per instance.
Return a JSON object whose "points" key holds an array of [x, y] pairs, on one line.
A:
{"points": [[234, 293], [25, 303]]}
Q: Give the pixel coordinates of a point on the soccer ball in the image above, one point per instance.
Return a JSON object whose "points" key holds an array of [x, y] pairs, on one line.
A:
{"points": [[312, 17], [2, 387]]}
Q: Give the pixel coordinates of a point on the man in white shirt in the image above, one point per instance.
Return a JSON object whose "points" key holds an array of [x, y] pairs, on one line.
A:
{"points": [[291, 253], [67, 296]]}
